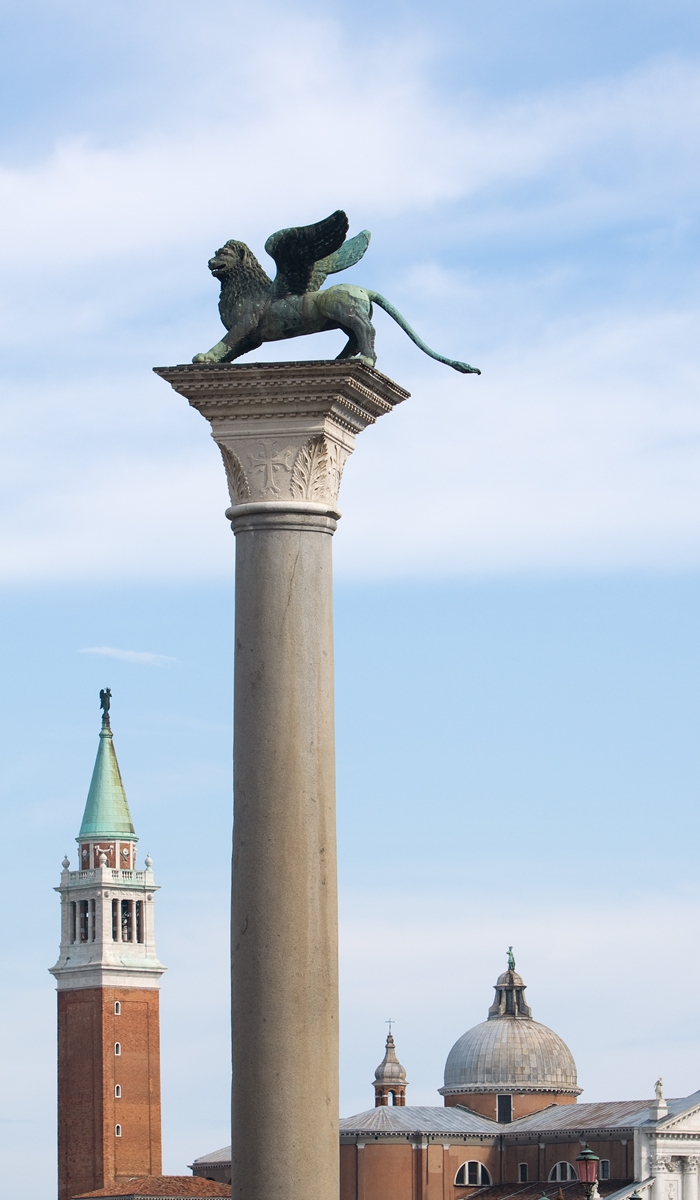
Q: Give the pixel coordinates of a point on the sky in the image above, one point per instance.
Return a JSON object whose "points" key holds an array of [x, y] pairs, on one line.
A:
{"points": [[518, 562]]}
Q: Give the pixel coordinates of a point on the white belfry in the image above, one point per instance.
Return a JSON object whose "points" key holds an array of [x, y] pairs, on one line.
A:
{"points": [[285, 431]]}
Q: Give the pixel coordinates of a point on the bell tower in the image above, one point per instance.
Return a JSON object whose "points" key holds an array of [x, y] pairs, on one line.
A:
{"points": [[107, 979]]}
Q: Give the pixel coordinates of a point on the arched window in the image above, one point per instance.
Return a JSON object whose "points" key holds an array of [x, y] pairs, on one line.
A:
{"points": [[117, 1091], [117, 1131], [562, 1172], [604, 1168], [472, 1174], [117, 1048], [117, 1008]]}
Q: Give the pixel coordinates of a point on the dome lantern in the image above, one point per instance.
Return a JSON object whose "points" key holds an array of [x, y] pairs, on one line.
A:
{"points": [[510, 994]]}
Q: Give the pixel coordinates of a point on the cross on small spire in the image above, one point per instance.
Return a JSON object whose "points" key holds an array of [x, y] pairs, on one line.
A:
{"points": [[390, 1022]]}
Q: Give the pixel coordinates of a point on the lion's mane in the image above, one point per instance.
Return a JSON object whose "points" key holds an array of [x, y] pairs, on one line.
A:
{"points": [[242, 278]]}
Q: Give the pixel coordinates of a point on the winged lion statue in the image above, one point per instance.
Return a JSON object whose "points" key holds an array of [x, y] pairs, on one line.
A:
{"points": [[257, 309]]}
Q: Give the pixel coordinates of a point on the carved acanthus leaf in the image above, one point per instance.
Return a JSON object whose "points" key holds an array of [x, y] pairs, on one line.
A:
{"points": [[337, 460], [310, 471], [238, 486]]}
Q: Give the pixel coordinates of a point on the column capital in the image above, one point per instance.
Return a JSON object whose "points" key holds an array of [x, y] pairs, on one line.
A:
{"points": [[285, 430]]}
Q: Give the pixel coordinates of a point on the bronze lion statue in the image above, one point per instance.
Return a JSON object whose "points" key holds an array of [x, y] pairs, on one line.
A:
{"points": [[257, 309]]}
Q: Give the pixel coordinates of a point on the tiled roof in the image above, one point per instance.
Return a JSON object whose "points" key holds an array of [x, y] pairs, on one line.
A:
{"points": [[216, 1156], [616, 1114], [416, 1119], [165, 1187], [610, 1114]]}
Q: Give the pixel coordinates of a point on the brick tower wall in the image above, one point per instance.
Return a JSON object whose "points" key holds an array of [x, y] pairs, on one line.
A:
{"points": [[90, 1155]]}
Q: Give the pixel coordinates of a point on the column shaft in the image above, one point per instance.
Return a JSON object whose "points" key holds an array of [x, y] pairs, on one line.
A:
{"points": [[284, 903]]}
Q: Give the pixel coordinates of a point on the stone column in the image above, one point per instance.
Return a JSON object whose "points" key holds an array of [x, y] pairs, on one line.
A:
{"points": [[285, 431], [690, 1178], [659, 1172]]}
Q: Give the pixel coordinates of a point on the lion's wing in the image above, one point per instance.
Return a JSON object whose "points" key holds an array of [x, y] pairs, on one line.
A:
{"points": [[297, 250], [350, 253]]}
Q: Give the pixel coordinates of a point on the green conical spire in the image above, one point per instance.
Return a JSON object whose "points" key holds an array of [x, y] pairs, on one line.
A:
{"points": [[106, 811]]}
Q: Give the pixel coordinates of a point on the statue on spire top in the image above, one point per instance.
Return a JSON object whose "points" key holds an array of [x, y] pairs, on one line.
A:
{"points": [[105, 697]]}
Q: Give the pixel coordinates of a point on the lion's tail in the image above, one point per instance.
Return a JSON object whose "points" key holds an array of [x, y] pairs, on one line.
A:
{"points": [[388, 307]]}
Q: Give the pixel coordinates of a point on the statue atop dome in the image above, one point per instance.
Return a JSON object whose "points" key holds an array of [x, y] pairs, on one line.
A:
{"points": [[511, 959]]}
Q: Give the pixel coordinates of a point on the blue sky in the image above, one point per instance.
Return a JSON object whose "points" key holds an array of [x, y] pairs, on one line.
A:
{"points": [[517, 564]]}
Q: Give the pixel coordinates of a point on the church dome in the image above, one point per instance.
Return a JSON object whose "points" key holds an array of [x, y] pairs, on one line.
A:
{"points": [[510, 1052]]}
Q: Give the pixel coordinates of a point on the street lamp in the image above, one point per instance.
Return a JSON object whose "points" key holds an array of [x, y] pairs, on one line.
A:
{"points": [[588, 1170]]}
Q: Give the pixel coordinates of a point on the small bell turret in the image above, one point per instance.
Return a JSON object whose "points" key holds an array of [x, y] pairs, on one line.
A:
{"points": [[390, 1079]]}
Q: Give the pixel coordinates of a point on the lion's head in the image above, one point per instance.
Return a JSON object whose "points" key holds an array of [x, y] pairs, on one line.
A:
{"points": [[242, 280], [236, 258]]}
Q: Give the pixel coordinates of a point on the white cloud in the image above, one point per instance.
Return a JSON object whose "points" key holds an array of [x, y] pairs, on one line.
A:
{"points": [[611, 150], [144, 657]]}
